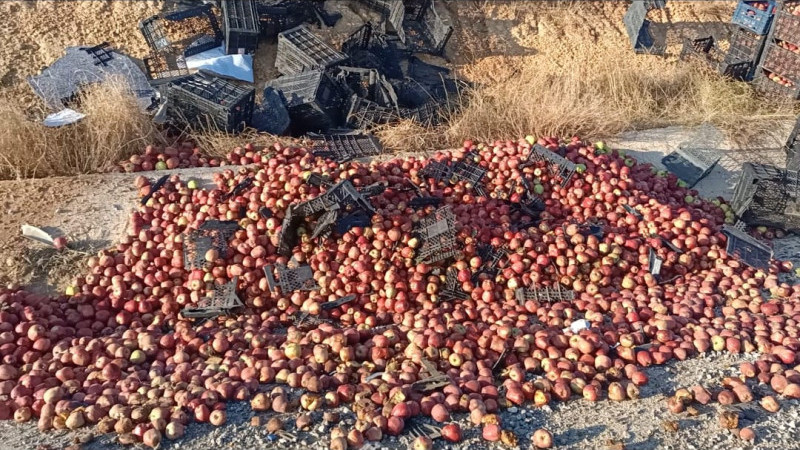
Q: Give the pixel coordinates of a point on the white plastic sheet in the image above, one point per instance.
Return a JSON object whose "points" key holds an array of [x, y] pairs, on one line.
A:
{"points": [[64, 117], [237, 67]]}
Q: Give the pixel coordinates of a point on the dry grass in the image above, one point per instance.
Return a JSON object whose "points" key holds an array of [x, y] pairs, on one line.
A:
{"points": [[596, 101], [114, 129]]}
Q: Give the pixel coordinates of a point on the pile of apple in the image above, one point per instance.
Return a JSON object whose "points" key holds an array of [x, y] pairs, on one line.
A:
{"points": [[789, 46], [178, 156], [783, 81], [116, 353]]}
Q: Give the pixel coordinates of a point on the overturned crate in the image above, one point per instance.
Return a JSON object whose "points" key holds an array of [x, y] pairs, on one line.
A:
{"points": [[241, 26], [314, 100], [204, 100], [437, 231], [346, 147], [222, 302], [189, 32], [768, 196], [559, 165], [290, 279], [691, 164], [364, 114], [212, 235], [300, 50], [544, 295], [746, 248]]}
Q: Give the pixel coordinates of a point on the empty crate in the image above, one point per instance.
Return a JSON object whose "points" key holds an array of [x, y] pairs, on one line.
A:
{"points": [[203, 100], [767, 195], [300, 50], [313, 99], [241, 27]]}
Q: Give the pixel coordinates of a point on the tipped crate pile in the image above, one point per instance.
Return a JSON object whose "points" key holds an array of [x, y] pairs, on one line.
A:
{"points": [[779, 71]]}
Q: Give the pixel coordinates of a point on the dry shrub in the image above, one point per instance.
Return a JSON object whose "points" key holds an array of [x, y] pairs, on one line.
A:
{"points": [[114, 128], [219, 143], [595, 98]]}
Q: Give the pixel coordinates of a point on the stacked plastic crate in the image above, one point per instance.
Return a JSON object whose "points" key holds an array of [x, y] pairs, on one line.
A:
{"points": [[779, 70], [753, 20]]}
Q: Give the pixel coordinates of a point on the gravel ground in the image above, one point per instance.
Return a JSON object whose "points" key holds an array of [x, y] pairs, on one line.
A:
{"points": [[576, 425]]}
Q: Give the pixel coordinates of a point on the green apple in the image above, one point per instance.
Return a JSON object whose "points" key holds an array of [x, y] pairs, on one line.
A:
{"points": [[716, 202], [530, 139], [192, 184], [762, 229], [70, 291], [580, 168], [538, 189], [600, 145], [621, 153], [662, 173], [682, 184], [161, 165], [689, 199], [629, 162]]}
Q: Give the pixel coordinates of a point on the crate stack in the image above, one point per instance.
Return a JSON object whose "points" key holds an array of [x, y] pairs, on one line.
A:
{"points": [[753, 21], [779, 69]]}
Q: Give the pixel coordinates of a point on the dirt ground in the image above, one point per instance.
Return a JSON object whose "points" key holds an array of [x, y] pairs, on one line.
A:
{"points": [[491, 38]]}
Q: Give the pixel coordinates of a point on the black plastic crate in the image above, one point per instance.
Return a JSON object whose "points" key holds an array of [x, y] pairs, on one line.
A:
{"points": [[558, 164], [368, 84], [300, 50], [371, 49], [768, 196], [691, 164], [364, 114], [415, 9], [781, 60], [773, 88], [638, 27], [428, 33], [749, 16], [746, 248], [241, 26], [345, 147], [792, 148], [314, 100], [202, 100], [742, 58], [274, 19], [393, 11], [787, 25], [206, 31], [163, 66]]}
